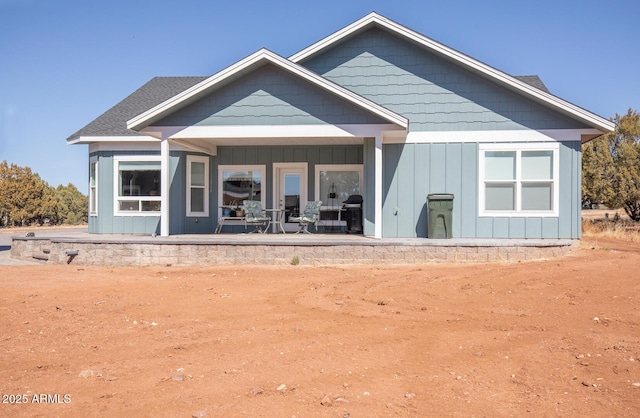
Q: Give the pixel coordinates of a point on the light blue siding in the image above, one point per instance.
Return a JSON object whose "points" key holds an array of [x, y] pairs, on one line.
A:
{"points": [[550, 227], [453, 183], [422, 181], [269, 96], [517, 228], [501, 228], [433, 93], [412, 171], [106, 222], [391, 182], [406, 191], [468, 191], [485, 228], [570, 165], [179, 222], [437, 164], [533, 228]]}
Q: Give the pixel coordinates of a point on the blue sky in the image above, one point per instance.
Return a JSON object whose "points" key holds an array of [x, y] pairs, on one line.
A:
{"points": [[63, 63]]}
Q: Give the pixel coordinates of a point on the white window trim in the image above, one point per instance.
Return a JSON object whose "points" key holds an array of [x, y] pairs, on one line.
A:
{"points": [[518, 148], [198, 159], [116, 180], [337, 167], [241, 167], [94, 212]]}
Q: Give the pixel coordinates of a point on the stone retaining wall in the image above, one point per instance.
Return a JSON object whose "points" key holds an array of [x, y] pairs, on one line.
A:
{"points": [[200, 253]]}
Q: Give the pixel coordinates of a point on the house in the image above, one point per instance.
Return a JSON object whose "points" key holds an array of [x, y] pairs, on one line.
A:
{"points": [[374, 109]]}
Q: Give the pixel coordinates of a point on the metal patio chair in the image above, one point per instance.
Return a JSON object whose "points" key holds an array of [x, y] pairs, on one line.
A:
{"points": [[255, 215], [310, 215]]}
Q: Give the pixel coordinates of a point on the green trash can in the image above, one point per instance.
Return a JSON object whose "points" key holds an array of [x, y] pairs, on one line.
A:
{"points": [[440, 215]]}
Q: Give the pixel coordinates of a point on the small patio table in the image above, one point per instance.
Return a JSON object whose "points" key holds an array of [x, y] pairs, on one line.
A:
{"points": [[276, 220]]}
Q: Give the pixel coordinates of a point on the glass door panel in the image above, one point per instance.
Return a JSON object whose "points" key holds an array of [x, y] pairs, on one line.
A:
{"points": [[290, 191], [291, 194]]}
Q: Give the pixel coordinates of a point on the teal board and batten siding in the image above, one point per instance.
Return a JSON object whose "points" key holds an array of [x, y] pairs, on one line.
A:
{"points": [[270, 96], [433, 93], [179, 222], [412, 171], [107, 223]]}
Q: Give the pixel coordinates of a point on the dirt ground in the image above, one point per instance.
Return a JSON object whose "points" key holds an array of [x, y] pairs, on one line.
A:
{"points": [[548, 338]]}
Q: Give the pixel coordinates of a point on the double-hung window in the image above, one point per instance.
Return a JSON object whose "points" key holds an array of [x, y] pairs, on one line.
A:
{"points": [[197, 185], [137, 185], [519, 179], [93, 186]]}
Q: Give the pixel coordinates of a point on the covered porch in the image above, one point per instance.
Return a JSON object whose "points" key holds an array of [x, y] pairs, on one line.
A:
{"points": [[262, 105]]}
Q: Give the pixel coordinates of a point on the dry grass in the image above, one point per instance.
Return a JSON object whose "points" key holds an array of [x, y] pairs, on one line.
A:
{"points": [[17, 230], [614, 227]]}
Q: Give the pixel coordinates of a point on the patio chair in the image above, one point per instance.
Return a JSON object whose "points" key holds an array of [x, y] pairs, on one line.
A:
{"points": [[310, 215], [254, 215]]}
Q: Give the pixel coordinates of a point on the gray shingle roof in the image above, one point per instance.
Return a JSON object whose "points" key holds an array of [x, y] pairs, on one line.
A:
{"points": [[113, 122], [532, 80]]}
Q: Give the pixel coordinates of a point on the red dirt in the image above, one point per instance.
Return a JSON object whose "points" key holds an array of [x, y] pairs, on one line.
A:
{"points": [[549, 338]]}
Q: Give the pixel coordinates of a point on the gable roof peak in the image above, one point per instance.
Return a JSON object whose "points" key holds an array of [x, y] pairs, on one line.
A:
{"points": [[245, 66], [536, 93]]}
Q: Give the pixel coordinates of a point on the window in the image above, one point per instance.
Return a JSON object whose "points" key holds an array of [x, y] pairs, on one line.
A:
{"points": [[137, 185], [337, 182], [197, 185], [237, 183], [519, 179], [93, 186], [334, 184]]}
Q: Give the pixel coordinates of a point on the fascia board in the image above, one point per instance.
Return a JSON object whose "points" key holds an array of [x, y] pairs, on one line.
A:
{"points": [[140, 120], [257, 58], [585, 116], [335, 37], [94, 139]]}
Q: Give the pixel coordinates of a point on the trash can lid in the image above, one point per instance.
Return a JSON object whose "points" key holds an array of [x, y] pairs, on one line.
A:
{"points": [[440, 196]]}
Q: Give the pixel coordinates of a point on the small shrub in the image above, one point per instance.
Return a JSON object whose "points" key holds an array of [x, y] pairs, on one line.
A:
{"points": [[295, 260]]}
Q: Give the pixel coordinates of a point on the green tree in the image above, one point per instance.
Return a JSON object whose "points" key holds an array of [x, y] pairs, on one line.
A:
{"points": [[611, 166], [72, 205], [24, 197]]}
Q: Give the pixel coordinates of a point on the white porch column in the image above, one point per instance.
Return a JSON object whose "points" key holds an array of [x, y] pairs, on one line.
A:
{"points": [[378, 187], [165, 180]]}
